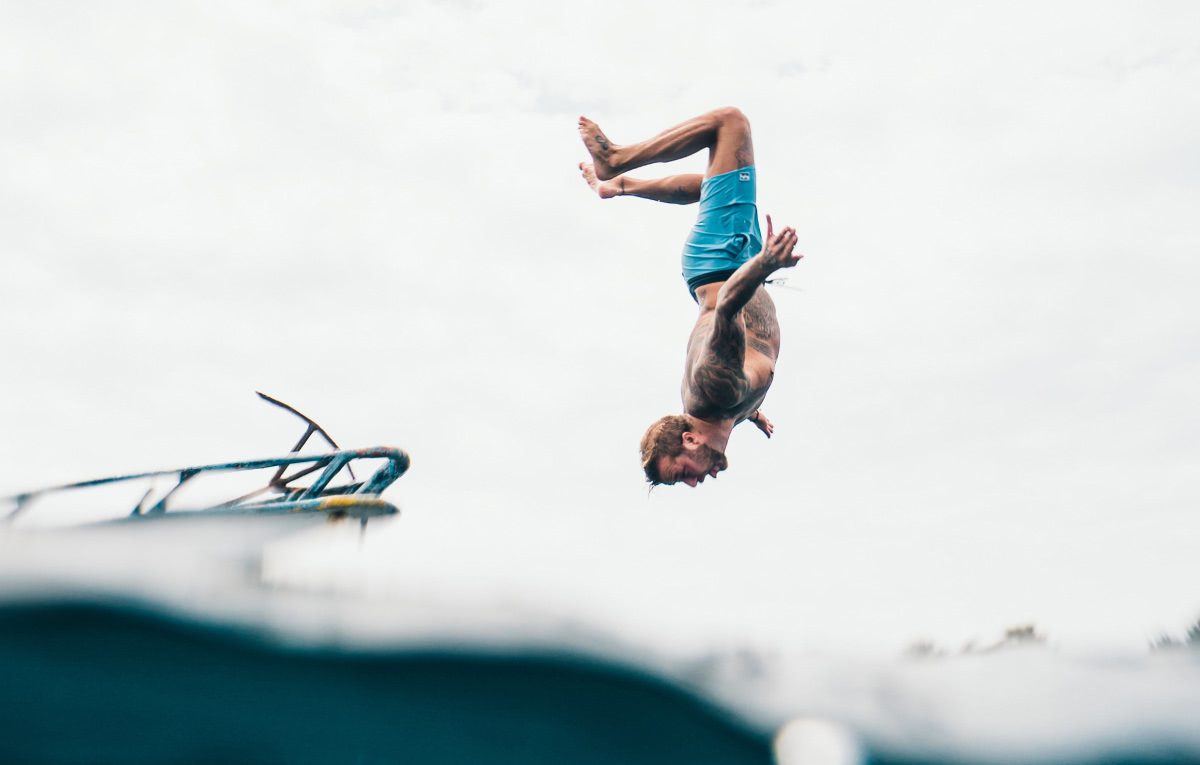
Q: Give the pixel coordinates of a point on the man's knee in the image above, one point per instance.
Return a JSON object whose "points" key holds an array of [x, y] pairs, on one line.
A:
{"points": [[732, 117]]}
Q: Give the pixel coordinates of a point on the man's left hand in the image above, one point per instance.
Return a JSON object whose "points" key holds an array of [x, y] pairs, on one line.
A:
{"points": [[763, 424]]}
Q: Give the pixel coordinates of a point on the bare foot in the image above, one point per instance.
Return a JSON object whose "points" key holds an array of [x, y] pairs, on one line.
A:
{"points": [[599, 147], [606, 189]]}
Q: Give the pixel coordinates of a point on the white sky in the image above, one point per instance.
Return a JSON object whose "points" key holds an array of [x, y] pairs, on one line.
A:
{"points": [[986, 402]]}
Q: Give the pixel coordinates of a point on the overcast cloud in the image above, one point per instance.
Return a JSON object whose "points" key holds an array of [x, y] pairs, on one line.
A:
{"points": [[985, 404]]}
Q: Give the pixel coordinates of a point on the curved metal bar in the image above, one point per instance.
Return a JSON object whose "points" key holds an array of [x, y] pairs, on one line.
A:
{"points": [[313, 427], [396, 464]]}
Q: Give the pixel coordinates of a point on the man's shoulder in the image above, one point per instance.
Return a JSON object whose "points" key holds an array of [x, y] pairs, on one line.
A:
{"points": [[714, 387]]}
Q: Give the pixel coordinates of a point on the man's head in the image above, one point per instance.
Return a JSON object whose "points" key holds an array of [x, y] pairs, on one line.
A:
{"points": [[672, 451]]}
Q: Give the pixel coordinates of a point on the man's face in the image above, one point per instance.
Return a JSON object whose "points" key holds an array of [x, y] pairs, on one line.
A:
{"points": [[696, 462]]}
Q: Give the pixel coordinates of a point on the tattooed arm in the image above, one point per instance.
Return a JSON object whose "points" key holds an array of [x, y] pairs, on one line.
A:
{"points": [[741, 286], [717, 383]]}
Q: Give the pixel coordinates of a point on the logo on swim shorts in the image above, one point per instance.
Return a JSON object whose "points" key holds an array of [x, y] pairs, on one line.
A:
{"points": [[743, 176]]}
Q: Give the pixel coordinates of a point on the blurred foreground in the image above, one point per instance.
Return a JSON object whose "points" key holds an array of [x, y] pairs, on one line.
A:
{"points": [[142, 645]]}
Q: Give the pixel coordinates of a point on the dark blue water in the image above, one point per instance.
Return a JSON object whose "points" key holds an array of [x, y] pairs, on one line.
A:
{"points": [[85, 681], [97, 683]]}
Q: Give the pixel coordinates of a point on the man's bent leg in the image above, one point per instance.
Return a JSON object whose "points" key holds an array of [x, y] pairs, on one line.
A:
{"points": [[725, 132], [674, 189]]}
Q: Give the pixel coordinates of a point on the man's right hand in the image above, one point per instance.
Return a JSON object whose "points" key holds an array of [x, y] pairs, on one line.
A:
{"points": [[779, 252]]}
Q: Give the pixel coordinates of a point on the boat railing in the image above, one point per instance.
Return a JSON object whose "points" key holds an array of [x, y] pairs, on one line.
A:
{"points": [[280, 494]]}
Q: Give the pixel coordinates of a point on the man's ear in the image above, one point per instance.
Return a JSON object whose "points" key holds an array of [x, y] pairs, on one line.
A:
{"points": [[691, 440]]}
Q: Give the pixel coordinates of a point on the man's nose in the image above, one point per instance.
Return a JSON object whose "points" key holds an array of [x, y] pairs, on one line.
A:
{"points": [[690, 482]]}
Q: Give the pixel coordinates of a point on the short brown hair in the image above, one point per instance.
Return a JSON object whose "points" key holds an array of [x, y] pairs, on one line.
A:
{"points": [[664, 438]]}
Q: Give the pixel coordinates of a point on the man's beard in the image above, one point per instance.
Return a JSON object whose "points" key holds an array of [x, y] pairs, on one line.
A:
{"points": [[705, 454]]}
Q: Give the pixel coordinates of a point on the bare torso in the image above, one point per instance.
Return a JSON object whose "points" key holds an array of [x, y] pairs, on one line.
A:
{"points": [[710, 392]]}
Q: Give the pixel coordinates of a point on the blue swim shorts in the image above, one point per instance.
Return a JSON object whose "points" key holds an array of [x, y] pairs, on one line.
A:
{"points": [[726, 233]]}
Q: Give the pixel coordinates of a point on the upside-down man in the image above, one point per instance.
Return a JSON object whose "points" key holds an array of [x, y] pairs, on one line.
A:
{"points": [[733, 347]]}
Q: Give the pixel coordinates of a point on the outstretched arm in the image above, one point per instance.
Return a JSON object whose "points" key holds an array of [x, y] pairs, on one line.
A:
{"points": [[720, 378], [740, 287]]}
